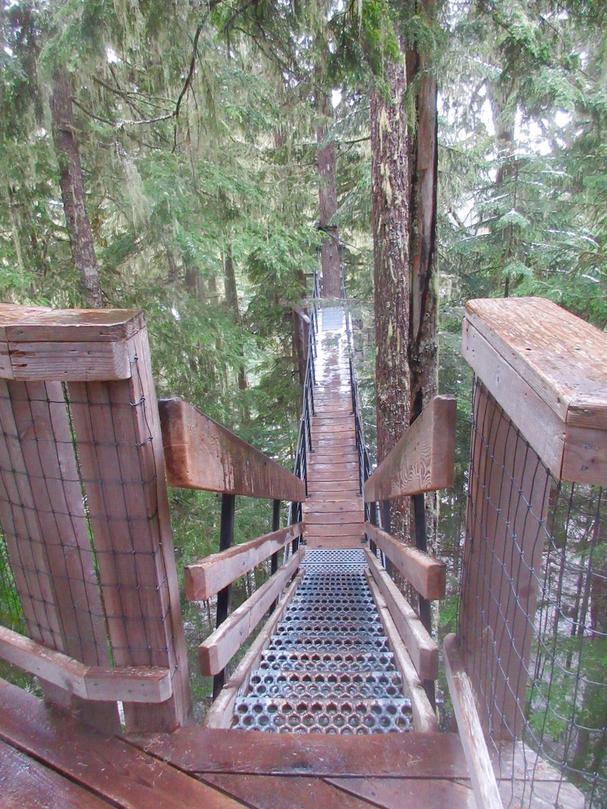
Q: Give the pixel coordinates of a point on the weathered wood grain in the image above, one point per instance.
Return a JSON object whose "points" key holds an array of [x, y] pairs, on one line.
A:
{"points": [[67, 362], [43, 324], [423, 458], [219, 648], [119, 446], [400, 793], [43, 424], [284, 792], [27, 784], [206, 578], [502, 558], [547, 369], [201, 454], [124, 775], [424, 718], [41, 344], [422, 649], [484, 784], [562, 357], [425, 573], [395, 755], [87, 682]]}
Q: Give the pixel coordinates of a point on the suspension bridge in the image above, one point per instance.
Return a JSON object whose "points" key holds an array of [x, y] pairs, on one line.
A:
{"points": [[324, 679]]}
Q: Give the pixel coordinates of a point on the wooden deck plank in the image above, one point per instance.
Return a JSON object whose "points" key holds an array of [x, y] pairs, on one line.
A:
{"points": [[414, 793], [354, 517], [332, 505], [344, 486], [342, 530], [397, 755], [333, 465], [320, 457], [284, 792], [335, 543], [120, 772], [336, 473], [27, 784]]}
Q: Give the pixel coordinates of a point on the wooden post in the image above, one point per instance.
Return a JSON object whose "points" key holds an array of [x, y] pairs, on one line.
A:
{"points": [[93, 467], [539, 417]]}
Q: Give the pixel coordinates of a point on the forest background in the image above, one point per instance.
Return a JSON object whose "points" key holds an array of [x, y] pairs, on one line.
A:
{"points": [[200, 160]]}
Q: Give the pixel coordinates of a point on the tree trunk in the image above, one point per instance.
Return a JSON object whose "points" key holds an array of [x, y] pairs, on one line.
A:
{"points": [[423, 351], [231, 292], [503, 114], [72, 188], [326, 160], [390, 216], [423, 346]]}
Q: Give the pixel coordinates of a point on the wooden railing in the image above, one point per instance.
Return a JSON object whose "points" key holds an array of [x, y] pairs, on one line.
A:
{"points": [[421, 461], [539, 420], [84, 516], [85, 520], [201, 454]]}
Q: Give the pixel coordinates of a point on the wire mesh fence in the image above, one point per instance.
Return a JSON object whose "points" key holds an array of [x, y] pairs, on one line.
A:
{"points": [[84, 519], [533, 618]]}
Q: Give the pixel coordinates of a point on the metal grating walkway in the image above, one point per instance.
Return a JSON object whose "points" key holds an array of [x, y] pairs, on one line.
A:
{"points": [[328, 667]]}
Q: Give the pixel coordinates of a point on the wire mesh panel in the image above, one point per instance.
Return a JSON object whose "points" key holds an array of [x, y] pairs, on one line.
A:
{"points": [[84, 511], [533, 618]]}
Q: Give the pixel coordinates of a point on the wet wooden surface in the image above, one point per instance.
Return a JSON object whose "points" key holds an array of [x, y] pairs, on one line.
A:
{"points": [[49, 760], [333, 511]]}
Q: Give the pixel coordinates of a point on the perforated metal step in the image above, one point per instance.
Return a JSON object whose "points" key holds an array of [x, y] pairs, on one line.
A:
{"points": [[328, 667], [323, 715], [317, 684], [312, 660]]}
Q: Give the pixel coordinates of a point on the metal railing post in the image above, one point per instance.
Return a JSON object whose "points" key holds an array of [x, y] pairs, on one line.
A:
{"points": [[226, 539]]}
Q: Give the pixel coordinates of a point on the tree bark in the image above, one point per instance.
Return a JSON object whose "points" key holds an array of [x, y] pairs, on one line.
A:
{"points": [[326, 161], [231, 292], [72, 188], [503, 114], [423, 349], [390, 218], [423, 344]]}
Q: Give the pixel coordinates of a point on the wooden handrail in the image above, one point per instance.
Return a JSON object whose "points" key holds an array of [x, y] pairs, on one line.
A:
{"points": [[206, 578], [422, 649], [424, 718], [423, 458], [201, 454], [128, 684], [426, 574], [221, 712], [220, 647], [71, 345], [547, 369]]}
